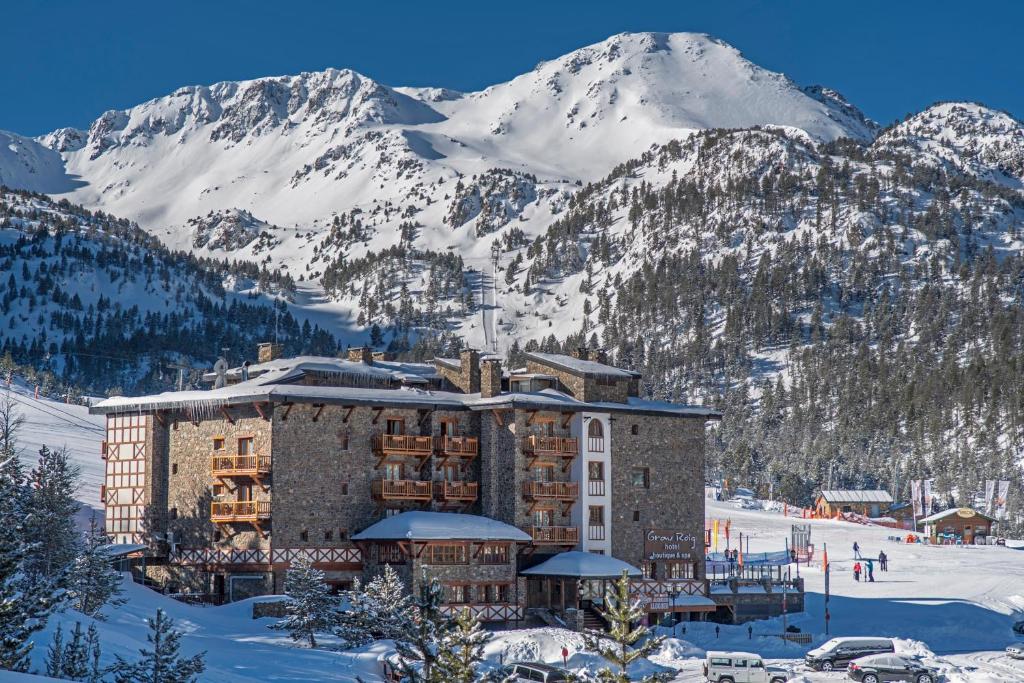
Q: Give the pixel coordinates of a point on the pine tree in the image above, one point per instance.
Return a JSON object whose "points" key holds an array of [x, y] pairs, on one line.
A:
{"points": [[311, 608], [462, 649], [49, 523], [418, 647], [24, 606], [380, 610], [621, 613], [162, 663], [55, 655], [94, 582], [72, 661]]}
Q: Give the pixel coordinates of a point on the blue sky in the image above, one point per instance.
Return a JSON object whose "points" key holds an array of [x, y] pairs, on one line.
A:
{"points": [[66, 62]]}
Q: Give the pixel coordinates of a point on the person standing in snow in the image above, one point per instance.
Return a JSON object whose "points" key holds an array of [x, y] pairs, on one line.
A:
{"points": [[856, 571], [871, 571], [856, 550], [883, 560]]}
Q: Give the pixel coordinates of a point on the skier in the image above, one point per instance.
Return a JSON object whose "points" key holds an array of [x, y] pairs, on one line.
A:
{"points": [[856, 571], [856, 550], [883, 561], [871, 571]]}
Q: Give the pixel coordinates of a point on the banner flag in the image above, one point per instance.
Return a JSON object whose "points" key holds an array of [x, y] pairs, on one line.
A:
{"points": [[915, 497], [990, 493], [1004, 491]]}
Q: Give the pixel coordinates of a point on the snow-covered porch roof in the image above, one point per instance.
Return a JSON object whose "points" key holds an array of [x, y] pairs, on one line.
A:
{"points": [[421, 525], [583, 565]]}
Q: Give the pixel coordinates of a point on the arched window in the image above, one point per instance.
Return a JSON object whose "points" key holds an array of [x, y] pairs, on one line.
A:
{"points": [[595, 434]]}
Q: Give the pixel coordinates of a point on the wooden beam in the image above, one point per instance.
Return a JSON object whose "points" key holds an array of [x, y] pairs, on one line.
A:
{"points": [[565, 419], [287, 409], [376, 414], [532, 414], [424, 414], [348, 414], [260, 411], [226, 414], [319, 409], [498, 418], [158, 415]]}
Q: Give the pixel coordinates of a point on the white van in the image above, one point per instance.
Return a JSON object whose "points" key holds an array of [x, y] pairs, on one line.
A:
{"points": [[741, 667]]}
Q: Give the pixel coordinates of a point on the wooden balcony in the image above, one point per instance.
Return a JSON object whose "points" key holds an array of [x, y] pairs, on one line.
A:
{"points": [[242, 511], [457, 446], [456, 491], [402, 489], [539, 492], [555, 535], [255, 466], [402, 445], [559, 447]]}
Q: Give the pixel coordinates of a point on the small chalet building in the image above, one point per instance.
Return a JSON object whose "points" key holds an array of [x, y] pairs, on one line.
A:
{"points": [[872, 503], [455, 467], [957, 525]]}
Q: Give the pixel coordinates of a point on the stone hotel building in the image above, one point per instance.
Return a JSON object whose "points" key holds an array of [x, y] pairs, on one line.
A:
{"points": [[455, 469]]}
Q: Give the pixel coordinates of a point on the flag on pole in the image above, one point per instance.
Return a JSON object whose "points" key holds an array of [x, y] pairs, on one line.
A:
{"points": [[928, 483], [714, 533], [915, 497], [1001, 496], [990, 494]]}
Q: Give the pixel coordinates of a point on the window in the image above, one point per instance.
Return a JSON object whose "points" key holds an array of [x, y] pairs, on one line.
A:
{"points": [[546, 425], [543, 518], [595, 435], [495, 593], [216, 535], [596, 515], [393, 471], [446, 554], [174, 513], [245, 445], [328, 535], [678, 570], [218, 490], [391, 512], [174, 468], [595, 478], [494, 554], [635, 429], [218, 443], [344, 488], [641, 477], [456, 593], [390, 553], [342, 534], [395, 426], [343, 435], [636, 515], [244, 492], [304, 535]]}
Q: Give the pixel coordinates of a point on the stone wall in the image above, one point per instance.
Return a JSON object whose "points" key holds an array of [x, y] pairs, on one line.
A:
{"points": [[586, 388], [672, 449], [190, 481]]}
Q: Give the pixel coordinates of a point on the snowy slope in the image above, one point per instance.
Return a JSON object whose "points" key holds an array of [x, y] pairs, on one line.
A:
{"points": [[29, 165], [56, 424]]}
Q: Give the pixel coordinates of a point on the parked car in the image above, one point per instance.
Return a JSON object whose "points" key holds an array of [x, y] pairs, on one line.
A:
{"points": [[886, 668], [741, 667], [1015, 651], [530, 671], [838, 652]]}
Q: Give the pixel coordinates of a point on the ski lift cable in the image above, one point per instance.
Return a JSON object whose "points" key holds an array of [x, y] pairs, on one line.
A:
{"points": [[53, 412]]}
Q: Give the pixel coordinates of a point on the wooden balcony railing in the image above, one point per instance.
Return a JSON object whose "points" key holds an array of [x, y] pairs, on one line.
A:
{"points": [[459, 446], [551, 490], [401, 489], [456, 491], [240, 465], [404, 444], [560, 446], [240, 511], [555, 535]]}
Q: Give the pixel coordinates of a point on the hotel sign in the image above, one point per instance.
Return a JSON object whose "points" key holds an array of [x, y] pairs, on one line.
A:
{"points": [[667, 545]]}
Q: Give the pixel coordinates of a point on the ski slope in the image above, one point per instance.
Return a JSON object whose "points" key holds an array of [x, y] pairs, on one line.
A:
{"points": [[60, 425]]}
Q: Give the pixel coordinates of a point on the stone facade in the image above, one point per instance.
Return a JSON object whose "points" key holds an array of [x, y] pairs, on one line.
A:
{"points": [[657, 480], [587, 388]]}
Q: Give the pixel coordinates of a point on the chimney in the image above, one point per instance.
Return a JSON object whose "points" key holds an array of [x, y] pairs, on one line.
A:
{"points": [[361, 354], [490, 377], [579, 352], [383, 356], [268, 351], [469, 370], [598, 356]]}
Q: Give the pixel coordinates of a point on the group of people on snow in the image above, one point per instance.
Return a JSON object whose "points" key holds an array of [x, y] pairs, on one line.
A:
{"points": [[868, 568]]}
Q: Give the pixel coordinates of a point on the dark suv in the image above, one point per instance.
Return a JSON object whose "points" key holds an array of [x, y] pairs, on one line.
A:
{"points": [[887, 668], [838, 652]]}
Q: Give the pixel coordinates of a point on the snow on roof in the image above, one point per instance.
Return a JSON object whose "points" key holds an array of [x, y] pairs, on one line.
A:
{"points": [[452, 363], [122, 549], [420, 525], [844, 496], [644, 406], [578, 366], [951, 512], [582, 565], [285, 369], [681, 600]]}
